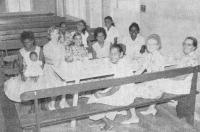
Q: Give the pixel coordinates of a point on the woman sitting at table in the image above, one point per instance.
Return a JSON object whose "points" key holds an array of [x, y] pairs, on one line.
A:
{"points": [[101, 48], [76, 51], [54, 54], [15, 86]]}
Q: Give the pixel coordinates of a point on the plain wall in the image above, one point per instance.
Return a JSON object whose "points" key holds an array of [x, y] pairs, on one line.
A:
{"points": [[173, 20], [2, 6], [44, 6]]}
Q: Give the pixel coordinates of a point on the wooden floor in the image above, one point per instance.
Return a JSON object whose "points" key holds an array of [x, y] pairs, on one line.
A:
{"points": [[164, 121]]}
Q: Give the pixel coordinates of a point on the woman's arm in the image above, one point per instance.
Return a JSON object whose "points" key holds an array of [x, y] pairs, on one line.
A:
{"points": [[41, 56], [21, 67]]}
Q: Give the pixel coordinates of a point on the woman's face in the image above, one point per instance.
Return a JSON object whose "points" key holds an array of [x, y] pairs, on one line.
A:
{"points": [[152, 45], [80, 26], [188, 46], [28, 44], [100, 37], [115, 55], [55, 34], [133, 32], [108, 23], [78, 40]]}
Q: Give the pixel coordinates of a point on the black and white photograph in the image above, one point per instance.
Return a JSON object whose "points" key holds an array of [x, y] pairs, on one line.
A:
{"points": [[99, 66]]}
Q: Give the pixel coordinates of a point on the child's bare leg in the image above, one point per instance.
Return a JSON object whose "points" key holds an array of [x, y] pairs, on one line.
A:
{"points": [[52, 103], [134, 118], [63, 103], [108, 125], [151, 110]]}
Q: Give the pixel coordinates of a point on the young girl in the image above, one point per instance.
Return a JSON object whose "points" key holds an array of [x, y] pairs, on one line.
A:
{"points": [[76, 51], [101, 48], [111, 30], [82, 29], [15, 86], [54, 54], [116, 96], [34, 66]]}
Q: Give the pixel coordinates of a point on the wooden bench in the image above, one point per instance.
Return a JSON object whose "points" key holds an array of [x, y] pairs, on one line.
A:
{"points": [[185, 107]]}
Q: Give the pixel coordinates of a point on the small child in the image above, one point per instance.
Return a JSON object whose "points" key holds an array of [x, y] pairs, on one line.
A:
{"points": [[115, 96], [33, 68]]}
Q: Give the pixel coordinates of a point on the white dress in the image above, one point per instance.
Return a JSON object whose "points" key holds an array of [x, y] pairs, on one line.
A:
{"points": [[54, 54], [182, 85], [14, 87], [101, 52], [133, 47], [152, 63], [123, 97], [154, 89], [111, 34], [33, 69]]}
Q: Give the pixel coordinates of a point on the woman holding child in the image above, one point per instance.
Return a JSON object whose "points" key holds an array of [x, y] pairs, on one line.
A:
{"points": [[29, 54]]}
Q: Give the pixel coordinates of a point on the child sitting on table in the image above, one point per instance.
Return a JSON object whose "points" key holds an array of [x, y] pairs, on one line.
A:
{"points": [[76, 51], [115, 96], [33, 68]]}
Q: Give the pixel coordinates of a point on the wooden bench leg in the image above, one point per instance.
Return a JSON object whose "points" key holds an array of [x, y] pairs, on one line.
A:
{"points": [[186, 105], [185, 109], [37, 114]]}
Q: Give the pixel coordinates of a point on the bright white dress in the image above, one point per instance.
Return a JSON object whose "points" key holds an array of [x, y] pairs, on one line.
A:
{"points": [[152, 63], [183, 85], [54, 54], [123, 97], [33, 69], [14, 87], [101, 52], [111, 34], [133, 47]]}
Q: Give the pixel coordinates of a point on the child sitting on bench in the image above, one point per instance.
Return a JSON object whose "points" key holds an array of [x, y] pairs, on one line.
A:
{"points": [[119, 95]]}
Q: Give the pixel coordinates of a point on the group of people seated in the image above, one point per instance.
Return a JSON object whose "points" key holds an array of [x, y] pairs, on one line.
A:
{"points": [[132, 53]]}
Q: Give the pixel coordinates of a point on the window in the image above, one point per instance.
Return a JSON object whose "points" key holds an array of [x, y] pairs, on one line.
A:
{"points": [[18, 5]]}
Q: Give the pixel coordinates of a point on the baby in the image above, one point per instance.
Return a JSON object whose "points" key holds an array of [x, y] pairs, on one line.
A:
{"points": [[33, 68]]}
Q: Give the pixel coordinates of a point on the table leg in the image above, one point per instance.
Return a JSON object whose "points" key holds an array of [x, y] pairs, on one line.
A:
{"points": [[75, 103]]}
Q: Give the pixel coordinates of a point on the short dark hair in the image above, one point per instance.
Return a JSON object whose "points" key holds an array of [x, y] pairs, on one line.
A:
{"points": [[119, 47], [33, 53], [110, 18], [99, 30], [76, 34], [134, 24], [85, 26], [61, 23], [27, 35], [194, 40]]}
